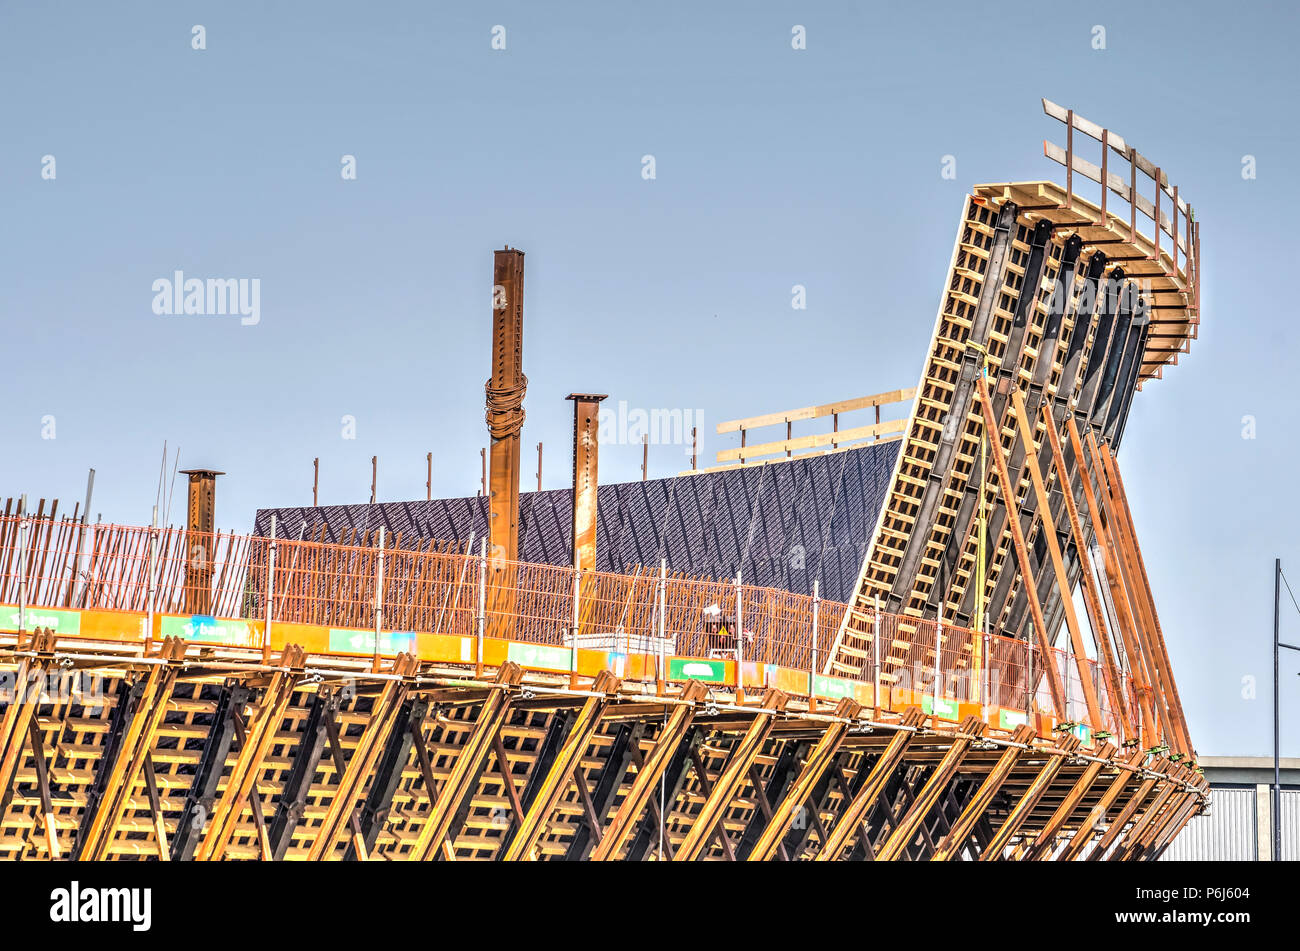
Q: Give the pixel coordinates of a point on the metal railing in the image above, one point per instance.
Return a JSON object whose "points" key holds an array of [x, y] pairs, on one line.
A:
{"points": [[455, 588]]}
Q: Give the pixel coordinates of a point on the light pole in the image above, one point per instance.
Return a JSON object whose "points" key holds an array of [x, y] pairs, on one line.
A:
{"points": [[1277, 730]]}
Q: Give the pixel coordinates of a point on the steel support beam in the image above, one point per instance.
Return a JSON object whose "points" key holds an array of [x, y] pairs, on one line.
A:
{"points": [[306, 760], [666, 744], [881, 771], [242, 783], [901, 837], [1026, 804], [465, 772], [1083, 835], [617, 763], [1130, 807], [1046, 841], [387, 778], [733, 775], [533, 824], [952, 844], [821, 758], [505, 417]]}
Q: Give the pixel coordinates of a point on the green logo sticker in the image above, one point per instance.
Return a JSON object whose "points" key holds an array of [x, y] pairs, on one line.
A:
{"points": [[540, 657], [1010, 719], [363, 642], [947, 708], [204, 627], [833, 687], [688, 668], [61, 622]]}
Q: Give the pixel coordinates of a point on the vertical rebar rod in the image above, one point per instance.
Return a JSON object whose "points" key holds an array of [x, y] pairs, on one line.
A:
{"points": [[153, 584], [22, 567], [812, 666], [482, 607], [270, 594], [875, 662], [660, 651], [740, 643], [379, 596]]}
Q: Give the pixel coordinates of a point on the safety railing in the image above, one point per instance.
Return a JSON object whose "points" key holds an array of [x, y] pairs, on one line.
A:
{"points": [[453, 588]]}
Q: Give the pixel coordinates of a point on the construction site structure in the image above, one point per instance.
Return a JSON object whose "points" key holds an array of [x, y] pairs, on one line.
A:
{"points": [[647, 671]]}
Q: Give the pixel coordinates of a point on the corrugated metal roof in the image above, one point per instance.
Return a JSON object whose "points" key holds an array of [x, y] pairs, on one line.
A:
{"points": [[782, 525]]}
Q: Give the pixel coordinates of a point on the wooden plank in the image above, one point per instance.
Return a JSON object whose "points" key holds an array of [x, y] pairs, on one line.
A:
{"points": [[1022, 553], [1091, 595], [1026, 804], [889, 427], [261, 734], [1048, 534], [1083, 835], [817, 412], [469, 763], [351, 782], [1046, 840]]}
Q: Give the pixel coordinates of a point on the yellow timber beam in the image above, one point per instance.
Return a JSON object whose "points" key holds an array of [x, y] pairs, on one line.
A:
{"points": [[252, 753], [351, 783], [1046, 840], [1027, 581], [1025, 424], [137, 741], [856, 810]]}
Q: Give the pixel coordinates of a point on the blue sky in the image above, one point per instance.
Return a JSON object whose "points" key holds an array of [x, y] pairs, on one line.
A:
{"points": [[774, 167]]}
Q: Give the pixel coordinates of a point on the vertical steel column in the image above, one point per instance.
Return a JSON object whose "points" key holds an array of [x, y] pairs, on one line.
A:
{"points": [[200, 518], [586, 448], [505, 417]]}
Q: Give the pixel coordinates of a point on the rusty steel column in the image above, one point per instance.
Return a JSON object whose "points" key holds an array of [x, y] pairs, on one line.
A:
{"points": [[200, 543], [586, 446], [505, 418]]}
